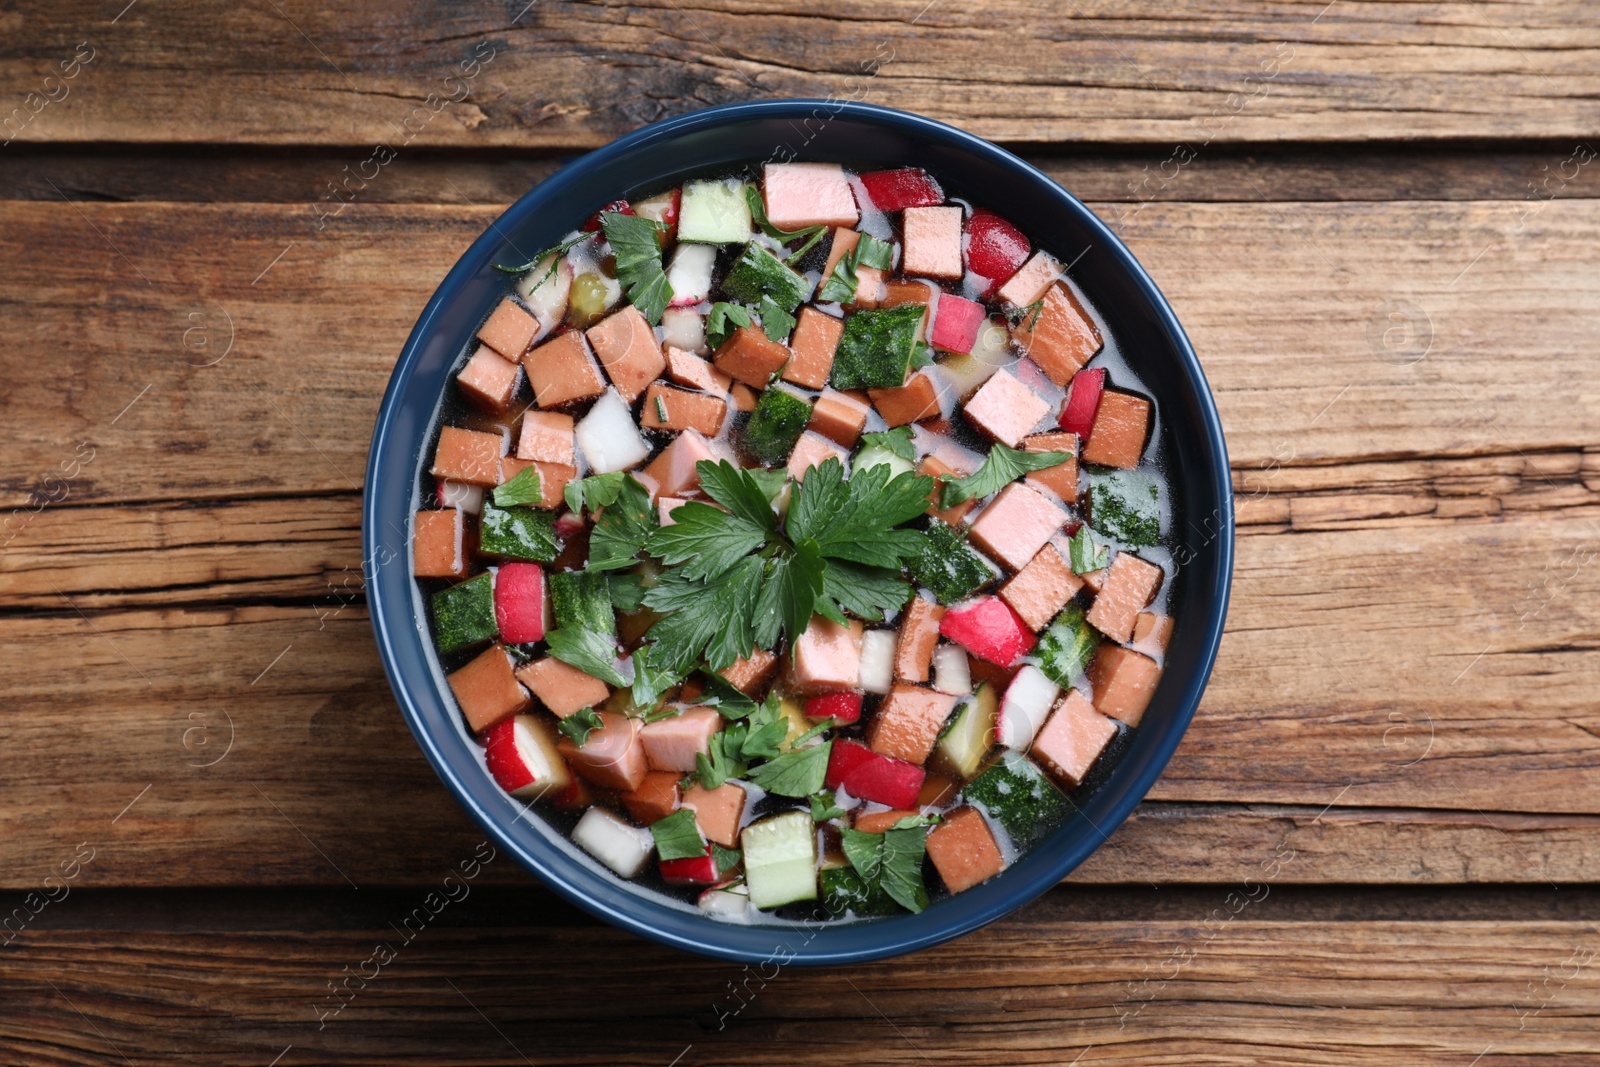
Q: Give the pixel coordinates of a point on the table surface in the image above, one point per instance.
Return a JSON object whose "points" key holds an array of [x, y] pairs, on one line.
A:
{"points": [[1376, 844]]}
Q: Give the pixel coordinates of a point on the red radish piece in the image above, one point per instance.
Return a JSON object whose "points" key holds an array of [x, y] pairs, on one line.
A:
{"points": [[522, 757], [468, 498], [896, 190], [956, 322], [1083, 400], [622, 207], [1027, 703], [519, 602], [662, 208], [989, 629], [693, 870], [872, 776], [577, 796], [995, 248], [840, 707], [570, 524]]}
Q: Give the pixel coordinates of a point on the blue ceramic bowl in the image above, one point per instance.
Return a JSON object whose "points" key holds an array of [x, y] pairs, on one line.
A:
{"points": [[867, 137]]}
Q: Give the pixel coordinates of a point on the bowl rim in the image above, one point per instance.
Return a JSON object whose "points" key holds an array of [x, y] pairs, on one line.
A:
{"points": [[606, 896]]}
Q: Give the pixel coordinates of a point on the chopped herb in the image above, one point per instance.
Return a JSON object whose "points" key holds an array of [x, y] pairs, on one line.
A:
{"points": [[1003, 466], [796, 773], [868, 592], [637, 249], [1083, 554], [661, 407], [579, 725], [840, 286], [892, 861], [627, 591], [815, 731], [897, 440], [824, 806], [777, 322], [726, 858], [553, 253], [626, 524], [590, 651], [758, 215], [922, 356], [722, 319], [677, 836], [733, 748], [651, 679], [664, 713], [522, 489], [1031, 313]]}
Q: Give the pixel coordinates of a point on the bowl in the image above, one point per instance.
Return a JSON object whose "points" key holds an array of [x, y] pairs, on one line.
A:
{"points": [[657, 157]]}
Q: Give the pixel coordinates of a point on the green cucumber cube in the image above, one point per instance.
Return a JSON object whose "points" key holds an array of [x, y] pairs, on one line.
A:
{"points": [[583, 599], [714, 213], [1126, 506], [757, 273], [463, 615], [967, 739], [519, 533], [1017, 794], [780, 859], [775, 425], [947, 566], [1066, 646], [877, 346], [843, 890]]}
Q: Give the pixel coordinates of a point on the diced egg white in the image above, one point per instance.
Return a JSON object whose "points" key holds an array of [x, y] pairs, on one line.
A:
{"points": [[1028, 700], [690, 273], [952, 672], [608, 437], [623, 848], [877, 660]]}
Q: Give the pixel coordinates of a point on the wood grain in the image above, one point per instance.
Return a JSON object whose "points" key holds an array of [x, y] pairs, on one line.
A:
{"points": [[1289, 309], [575, 75], [1218, 986]]}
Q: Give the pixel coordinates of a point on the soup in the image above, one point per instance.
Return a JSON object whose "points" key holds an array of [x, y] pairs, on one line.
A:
{"points": [[793, 539]]}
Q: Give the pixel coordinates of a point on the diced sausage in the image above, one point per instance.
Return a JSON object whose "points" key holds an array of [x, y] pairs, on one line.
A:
{"points": [[489, 379], [1118, 435], [469, 456], [1151, 633], [656, 798], [816, 337], [908, 722], [561, 371], [612, 757], [561, 687], [553, 479], [932, 242], [628, 350], [1062, 479], [439, 547], [717, 811], [1061, 338], [827, 656], [673, 473], [1129, 584], [686, 368], [933, 467], [672, 744], [547, 436], [509, 330], [1072, 739], [876, 822], [1005, 409], [667, 408], [808, 194], [811, 450], [912, 402], [486, 689], [1123, 681], [840, 417], [751, 674], [1030, 282], [751, 357], [963, 850], [919, 632], [1016, 524], [1040, 590]]}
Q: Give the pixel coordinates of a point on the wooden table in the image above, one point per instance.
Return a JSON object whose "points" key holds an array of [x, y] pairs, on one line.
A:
{"points": [[1377, 221]]}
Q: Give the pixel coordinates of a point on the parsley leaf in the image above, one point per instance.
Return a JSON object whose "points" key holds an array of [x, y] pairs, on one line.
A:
{"points": [[892, 860], [824, 806], [626, 522], [739, 490], [796, 773], [854, 520], [522, 489], [840, 288], [788, 595], [1003, 466], [677, 836], [633, 241], [706, 619], [731, 749], [627, 592], [590, 651], [1083, 554], [727, 858], [705, 542], [775, 320], [897, 441], [870, 592], [718, 321], [651, 679], [579, 725]]}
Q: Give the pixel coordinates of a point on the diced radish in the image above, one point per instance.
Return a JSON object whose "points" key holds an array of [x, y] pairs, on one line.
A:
{"points": [[522, 757], [623, 848], [989, 629], [608, 437], [956, 322], [694, 870], [621, 207], [896, 190], [1028, 700], [951, 671], [840, 707], [519, 602], [683, 328], [780, 859], [662, 208], [570, 524], [870, 775], [468, 498], [877, 660], [995, 248], [690, 273], [577, 796], [728, 903], [1083, 400]]}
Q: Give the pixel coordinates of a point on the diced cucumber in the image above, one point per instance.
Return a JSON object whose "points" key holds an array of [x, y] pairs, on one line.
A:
{"points": [[1019, 796], [775, 425], [520, 533], [877, 455], [1066, 646], [714, 212], [583, 598], [876, 347], [1126, 505], [463, 615], [947, 566], [758, 272], [843, 890], [970, 735], [780, 859]]}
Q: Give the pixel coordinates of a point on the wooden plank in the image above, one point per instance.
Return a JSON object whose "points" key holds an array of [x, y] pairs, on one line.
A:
{"points": [[1288, 304], [1219, 986], [576, 75]]}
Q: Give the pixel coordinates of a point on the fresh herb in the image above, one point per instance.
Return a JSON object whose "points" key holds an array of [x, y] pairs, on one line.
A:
{"points": [[1031, 313], [897, 441], [721, 321], [590, 651], [816, 731], [553, 253], [627, 521], [758, 215], [726, 858], [1083, 554], [1003, 466], [734, 747], [579, 725], [824, 806], [922, 356], [892, 860], [677, 836], [1125, 505], [796, 773], [522, 489], [627, 591], [652, 679], [658, 716], [637, 249], [777, 322], [661, 408], [868, 592], [840, 287]]}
